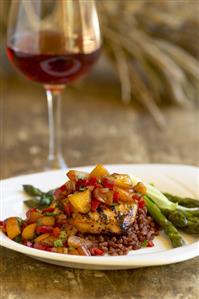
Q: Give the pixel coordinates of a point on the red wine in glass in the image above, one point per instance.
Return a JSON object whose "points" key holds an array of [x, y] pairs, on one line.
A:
{"points": [[49, 63]]}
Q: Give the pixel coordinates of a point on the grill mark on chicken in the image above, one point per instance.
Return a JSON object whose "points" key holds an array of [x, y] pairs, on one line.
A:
{"points": [[106, 220]]}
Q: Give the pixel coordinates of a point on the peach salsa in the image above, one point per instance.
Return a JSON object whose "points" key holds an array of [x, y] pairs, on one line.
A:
{"points": [[99, 213]]}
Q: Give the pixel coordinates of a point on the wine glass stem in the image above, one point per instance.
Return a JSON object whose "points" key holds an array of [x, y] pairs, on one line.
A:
{"points": [[55, 158]]}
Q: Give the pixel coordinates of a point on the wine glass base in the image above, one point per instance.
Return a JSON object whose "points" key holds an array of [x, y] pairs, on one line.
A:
{"points": [[55, 163]]}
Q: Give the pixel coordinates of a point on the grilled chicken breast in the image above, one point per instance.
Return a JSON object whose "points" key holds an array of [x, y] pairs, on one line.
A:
{"points": [[114, 220]]}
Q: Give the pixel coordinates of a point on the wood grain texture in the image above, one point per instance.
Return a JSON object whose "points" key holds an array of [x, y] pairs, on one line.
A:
{"points": [[96, 128]]}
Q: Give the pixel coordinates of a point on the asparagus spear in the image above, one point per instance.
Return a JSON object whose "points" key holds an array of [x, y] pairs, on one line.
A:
{"points": [[32, 191], [184, 220], [177, 218], [192, 227], [39, 199], [167, 226], [186, 202]]}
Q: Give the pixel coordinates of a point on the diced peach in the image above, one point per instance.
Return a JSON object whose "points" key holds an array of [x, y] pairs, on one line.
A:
{"points": [[140, 188], [122, 180], [41, 237], [124, 195], [46, 221], [33, 216], [29, 231], [12, 227], [81, 201], [59, 250], [99, 171], [49, 241], [75, 175], [73, 251]]}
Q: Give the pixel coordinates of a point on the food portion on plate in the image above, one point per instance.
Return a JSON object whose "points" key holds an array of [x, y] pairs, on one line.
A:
{"points": [[99, 213]]}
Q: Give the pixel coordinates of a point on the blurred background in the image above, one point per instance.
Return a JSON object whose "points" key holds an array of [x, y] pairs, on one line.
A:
{"points": [[138, 105]]}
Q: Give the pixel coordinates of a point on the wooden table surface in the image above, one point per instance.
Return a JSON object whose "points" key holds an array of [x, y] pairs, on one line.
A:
{"points": [[96, 128]]}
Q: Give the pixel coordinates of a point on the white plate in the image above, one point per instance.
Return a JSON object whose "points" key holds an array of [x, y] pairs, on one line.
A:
{"points": [[177, 179]]}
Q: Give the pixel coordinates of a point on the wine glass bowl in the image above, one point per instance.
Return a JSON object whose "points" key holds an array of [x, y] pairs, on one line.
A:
{"points": [[49, 62], [53, 43]]}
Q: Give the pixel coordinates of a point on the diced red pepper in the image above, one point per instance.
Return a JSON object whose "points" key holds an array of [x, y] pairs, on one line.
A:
{"points": [[51, 249], [150, 244], [60, 192], [40, 246], [56, 231], [86, 182], [63, 188], [3, 226], [48, 210], [92, 181], [28, 213], [116, 196], [82, 183], [96, 251], [59, 224], [44, 229], [94, 204], [97, 185], [68, 209], [141, 203], [108, 183], [136, 197], [65, 243]]}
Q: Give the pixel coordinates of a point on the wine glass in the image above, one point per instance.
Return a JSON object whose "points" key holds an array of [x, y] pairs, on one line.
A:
{"points": [[53, 43]]}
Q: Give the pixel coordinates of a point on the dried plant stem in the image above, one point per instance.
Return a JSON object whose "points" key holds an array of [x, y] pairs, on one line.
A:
{"points": [[122, 67], [134, 83], [184, 59], [157, 40], [146, 98], [171, 71]]}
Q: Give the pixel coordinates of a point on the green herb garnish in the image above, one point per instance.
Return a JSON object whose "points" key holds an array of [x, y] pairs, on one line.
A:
{"points": [[50, 214], [17, 239], [58, 243], [144, 244], [20, 220], [63, 235]]}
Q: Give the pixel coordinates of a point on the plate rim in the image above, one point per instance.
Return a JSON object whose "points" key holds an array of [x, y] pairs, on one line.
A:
{"points": [[125, 260], [106, 165]]}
